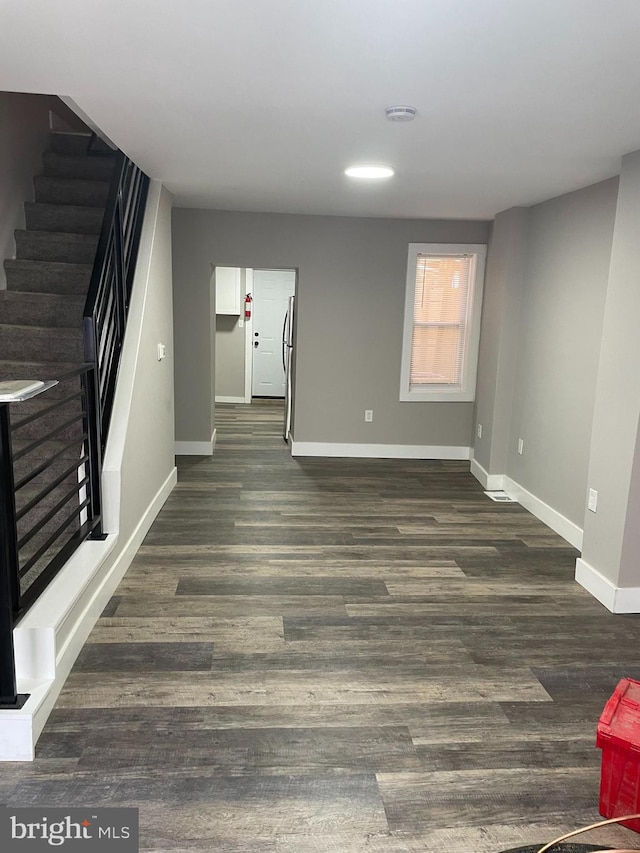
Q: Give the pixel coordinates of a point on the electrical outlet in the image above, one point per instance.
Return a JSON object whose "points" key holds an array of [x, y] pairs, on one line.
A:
{"points": [[162, 351], [520, 446], [479, 430], [368, 416], [593, 500]]}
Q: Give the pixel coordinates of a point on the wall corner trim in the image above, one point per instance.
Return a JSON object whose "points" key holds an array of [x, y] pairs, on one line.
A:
{"points": [[547, 514], [195, 448], [50, 636], [378, 451], [615, 598], [542, 511], [491, 482]]}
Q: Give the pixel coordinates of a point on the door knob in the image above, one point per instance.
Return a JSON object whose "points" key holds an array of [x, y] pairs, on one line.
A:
{"points": [[256, 343]]}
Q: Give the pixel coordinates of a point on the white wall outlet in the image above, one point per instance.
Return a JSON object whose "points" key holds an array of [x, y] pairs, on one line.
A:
{"points": [[593, 500], [520, 446], [479, 430], [162, 351], [368, 416]]}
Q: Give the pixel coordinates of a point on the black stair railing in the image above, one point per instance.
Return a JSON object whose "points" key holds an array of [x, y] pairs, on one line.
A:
{"points": [[59, 495], [107, 306], [49, 497]]}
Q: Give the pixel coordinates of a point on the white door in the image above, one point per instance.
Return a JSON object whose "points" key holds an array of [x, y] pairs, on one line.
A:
{"points": [[271, 292]]}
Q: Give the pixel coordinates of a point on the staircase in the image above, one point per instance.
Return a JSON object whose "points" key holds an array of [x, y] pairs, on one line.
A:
{"points": [[41, 331]]}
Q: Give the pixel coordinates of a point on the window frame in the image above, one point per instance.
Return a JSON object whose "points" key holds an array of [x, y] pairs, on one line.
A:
{"points": [[440, 393]]}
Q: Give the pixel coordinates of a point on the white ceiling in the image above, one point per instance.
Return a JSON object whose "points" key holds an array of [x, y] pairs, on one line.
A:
{"points": [[261, 104]]}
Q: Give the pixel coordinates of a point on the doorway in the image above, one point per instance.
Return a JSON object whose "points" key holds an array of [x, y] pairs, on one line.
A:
{"points": [[271, 292]]}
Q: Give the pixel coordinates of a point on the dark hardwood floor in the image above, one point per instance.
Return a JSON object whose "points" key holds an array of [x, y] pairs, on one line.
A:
{"points": [[356, 656]]}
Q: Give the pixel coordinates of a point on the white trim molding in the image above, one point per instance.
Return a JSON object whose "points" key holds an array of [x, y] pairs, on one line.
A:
{"points": [[222, 399], [195, 448], [52, 633], [547, 514], [378, 451], [248, 340], [617, 599], [491, 482]]}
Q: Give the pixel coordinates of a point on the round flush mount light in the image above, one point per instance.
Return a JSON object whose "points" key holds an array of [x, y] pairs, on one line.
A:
{"points": [[401, 112], [369, 172]]}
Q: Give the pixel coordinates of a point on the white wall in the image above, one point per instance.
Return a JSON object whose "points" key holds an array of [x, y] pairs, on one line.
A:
{"points": [[140, 442], [611, 539], [24, 135]]}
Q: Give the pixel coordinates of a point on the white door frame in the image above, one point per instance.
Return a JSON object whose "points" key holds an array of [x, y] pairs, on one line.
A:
{"points": [[248, 340]]}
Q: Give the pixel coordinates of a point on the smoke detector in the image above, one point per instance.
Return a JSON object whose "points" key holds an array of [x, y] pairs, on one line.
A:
{"points": [[401, 112]]}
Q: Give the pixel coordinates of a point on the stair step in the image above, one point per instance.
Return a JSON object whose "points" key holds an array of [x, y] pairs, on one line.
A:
{"points": [[37, 513], [51, 246], [69, 143], [76, 144], [44, 425], [40, 309], [34, 343], [70, 191], [87, 167], [67, 218], [42, 371], [41, 454], [47, 277]]}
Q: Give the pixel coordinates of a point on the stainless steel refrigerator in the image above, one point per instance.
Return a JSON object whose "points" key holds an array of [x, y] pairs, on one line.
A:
{"points": [[287, 359]]}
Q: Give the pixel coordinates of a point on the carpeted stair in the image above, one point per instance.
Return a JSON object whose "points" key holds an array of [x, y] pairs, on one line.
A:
{"points": [[41, 322]]}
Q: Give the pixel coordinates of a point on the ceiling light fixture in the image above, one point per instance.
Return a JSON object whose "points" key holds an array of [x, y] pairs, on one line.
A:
{"points": [[401, 112], [370, 172]]}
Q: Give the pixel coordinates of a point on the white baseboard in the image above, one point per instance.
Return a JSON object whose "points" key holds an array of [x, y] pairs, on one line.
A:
{"points": [[378, 451], [491, 482], [51, 635], [615, 598], [547, 514], [195, 448], [221, 399]]}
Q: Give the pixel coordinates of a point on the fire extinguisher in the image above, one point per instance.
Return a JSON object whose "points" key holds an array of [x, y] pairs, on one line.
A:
{"points": [[247, 306]]}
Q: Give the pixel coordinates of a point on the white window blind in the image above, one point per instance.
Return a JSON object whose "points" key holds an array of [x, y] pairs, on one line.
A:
{"points": [[442, 297], [441, 329]]}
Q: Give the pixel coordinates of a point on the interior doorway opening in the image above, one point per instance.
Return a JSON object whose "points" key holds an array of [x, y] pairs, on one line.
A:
{"points": [[254, 344]]}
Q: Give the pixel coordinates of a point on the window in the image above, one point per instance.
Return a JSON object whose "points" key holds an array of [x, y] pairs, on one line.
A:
{"points": [[442, 322]]}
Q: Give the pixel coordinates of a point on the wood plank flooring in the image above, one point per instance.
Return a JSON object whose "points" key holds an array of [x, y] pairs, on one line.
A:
{"points": [[355, 656]]}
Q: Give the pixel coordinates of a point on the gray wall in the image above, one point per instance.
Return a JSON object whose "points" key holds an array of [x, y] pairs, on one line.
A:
{"points": [[499, 337], [565, 285], [230, 353], [545, 293], [24, 135], [352, 275], [194, 331]]}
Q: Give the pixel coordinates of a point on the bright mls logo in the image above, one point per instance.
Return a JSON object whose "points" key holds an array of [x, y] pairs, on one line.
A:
{"points": [[86, 830]]}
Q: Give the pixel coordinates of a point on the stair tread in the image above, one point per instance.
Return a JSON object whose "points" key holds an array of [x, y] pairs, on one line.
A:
{"points": [[38, 366], [59, 235], [29, 295], [49, 205], [57, 329], [59, 266], [60, 179], [78, 165]]}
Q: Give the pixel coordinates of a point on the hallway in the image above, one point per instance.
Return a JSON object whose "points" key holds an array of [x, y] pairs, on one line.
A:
{"points": [[349, 655]]}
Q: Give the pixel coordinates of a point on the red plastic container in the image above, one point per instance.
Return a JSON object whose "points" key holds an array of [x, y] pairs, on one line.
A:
{"points": [[619, 739]]}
